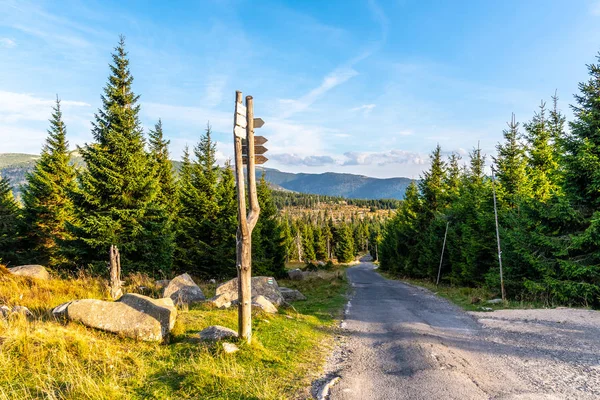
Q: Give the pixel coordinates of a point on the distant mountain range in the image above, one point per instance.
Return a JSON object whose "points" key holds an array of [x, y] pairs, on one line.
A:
{"points": [[14, 166]]}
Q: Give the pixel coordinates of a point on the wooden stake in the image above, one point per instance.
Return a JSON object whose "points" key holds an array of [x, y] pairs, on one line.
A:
{"points": [[498, 236], [442, 256], [115, 273]]}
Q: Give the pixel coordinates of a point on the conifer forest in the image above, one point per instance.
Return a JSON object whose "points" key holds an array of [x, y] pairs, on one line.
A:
{"points": [[546, 176]]}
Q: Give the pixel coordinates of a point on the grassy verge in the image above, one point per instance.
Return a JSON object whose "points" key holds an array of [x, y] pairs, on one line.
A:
{"points": [[42, 358], [470, 299]]}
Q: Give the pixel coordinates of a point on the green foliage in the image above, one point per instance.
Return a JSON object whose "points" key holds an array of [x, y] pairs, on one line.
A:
{"points": [[48, 207]]}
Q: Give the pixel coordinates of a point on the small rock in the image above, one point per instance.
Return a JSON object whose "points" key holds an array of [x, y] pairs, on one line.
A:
{"points": [[296, 274], [212, 281], [291, 294], [264, 304], [220, 302], [183, 290], [32, 271], [494, 301], [486, 309], [230, 348], [217, 332]]}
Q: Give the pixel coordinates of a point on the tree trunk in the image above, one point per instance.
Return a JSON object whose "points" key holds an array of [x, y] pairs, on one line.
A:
{"points": [[115, 273]]}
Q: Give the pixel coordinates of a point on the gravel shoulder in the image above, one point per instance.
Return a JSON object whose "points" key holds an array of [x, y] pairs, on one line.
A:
{"points": [[404, 342]]}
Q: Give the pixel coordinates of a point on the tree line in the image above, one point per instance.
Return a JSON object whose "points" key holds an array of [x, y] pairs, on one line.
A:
{"points": [[547, 181], [311, 238], [129, 195], [292, 199]]}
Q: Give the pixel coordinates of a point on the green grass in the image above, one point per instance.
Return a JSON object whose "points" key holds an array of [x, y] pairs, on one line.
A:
{"points": [[43, 358], [469, 298]]}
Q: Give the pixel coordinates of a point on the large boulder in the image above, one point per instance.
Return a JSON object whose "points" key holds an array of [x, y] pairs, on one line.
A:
{"points": [[133, 315], [217, 332], [261, 286], [32, 271], [291, 294], [183, 290], [296, 274]]}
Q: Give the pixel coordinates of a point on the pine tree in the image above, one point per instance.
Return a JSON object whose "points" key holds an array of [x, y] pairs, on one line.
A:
{"points": [[197, 239], [268, 249], [542, 163], [116, 201], [308, 245], [511, 165], [161, 162], [320, 244], [344, 243], [9, 213], [226, 226], [46, 197]]}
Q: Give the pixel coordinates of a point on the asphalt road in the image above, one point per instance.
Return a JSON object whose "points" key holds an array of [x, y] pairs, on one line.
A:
{"points": [[404, 342]]}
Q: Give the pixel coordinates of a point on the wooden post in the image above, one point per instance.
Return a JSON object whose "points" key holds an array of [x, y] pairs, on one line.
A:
{"points": [[442, 256], [498, 236], [115, 273], [246, 223]]}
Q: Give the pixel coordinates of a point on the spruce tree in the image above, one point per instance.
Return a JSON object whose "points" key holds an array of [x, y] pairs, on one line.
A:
{"points": [[161, 162], [9, 214], [268, 248], [48, 207], [344, 243], [116, 201], [226, 226], [511, 164], [542, 163]]}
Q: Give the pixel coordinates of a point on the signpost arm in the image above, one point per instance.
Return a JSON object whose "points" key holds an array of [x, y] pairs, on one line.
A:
{"points": [[254, 207]]}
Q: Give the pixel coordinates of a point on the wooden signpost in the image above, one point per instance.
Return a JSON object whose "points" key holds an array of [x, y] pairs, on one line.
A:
{"points": [[243, 131]]}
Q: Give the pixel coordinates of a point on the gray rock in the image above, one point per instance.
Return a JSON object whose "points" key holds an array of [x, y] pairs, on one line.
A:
{"points": [[212, 281], [230, 348], [494, 301], [31, 271], [183, 290], [264, 304], [261, 286], [220, 301], [217, 332], [291, 294], [133, 315], [296, 274]]}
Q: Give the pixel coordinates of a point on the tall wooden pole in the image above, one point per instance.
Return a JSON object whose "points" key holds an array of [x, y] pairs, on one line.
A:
{"points": [[442, 256], [246, 222], [498, 236]]}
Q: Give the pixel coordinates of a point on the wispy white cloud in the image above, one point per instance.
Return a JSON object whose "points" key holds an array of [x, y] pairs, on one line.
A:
{"points": [[309, 161], [332, 80], [15, 107], [595, 8], [366, 108], [7, 43], [380, 17]]}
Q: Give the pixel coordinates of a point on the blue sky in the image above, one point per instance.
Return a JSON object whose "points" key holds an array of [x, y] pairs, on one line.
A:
{"points": [[367, 87]]}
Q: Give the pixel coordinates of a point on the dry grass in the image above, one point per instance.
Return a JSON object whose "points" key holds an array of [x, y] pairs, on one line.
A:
{"points": [[44, 358]]}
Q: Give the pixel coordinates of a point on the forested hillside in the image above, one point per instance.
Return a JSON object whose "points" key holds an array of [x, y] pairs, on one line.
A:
{"points": [[547, 185]]}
